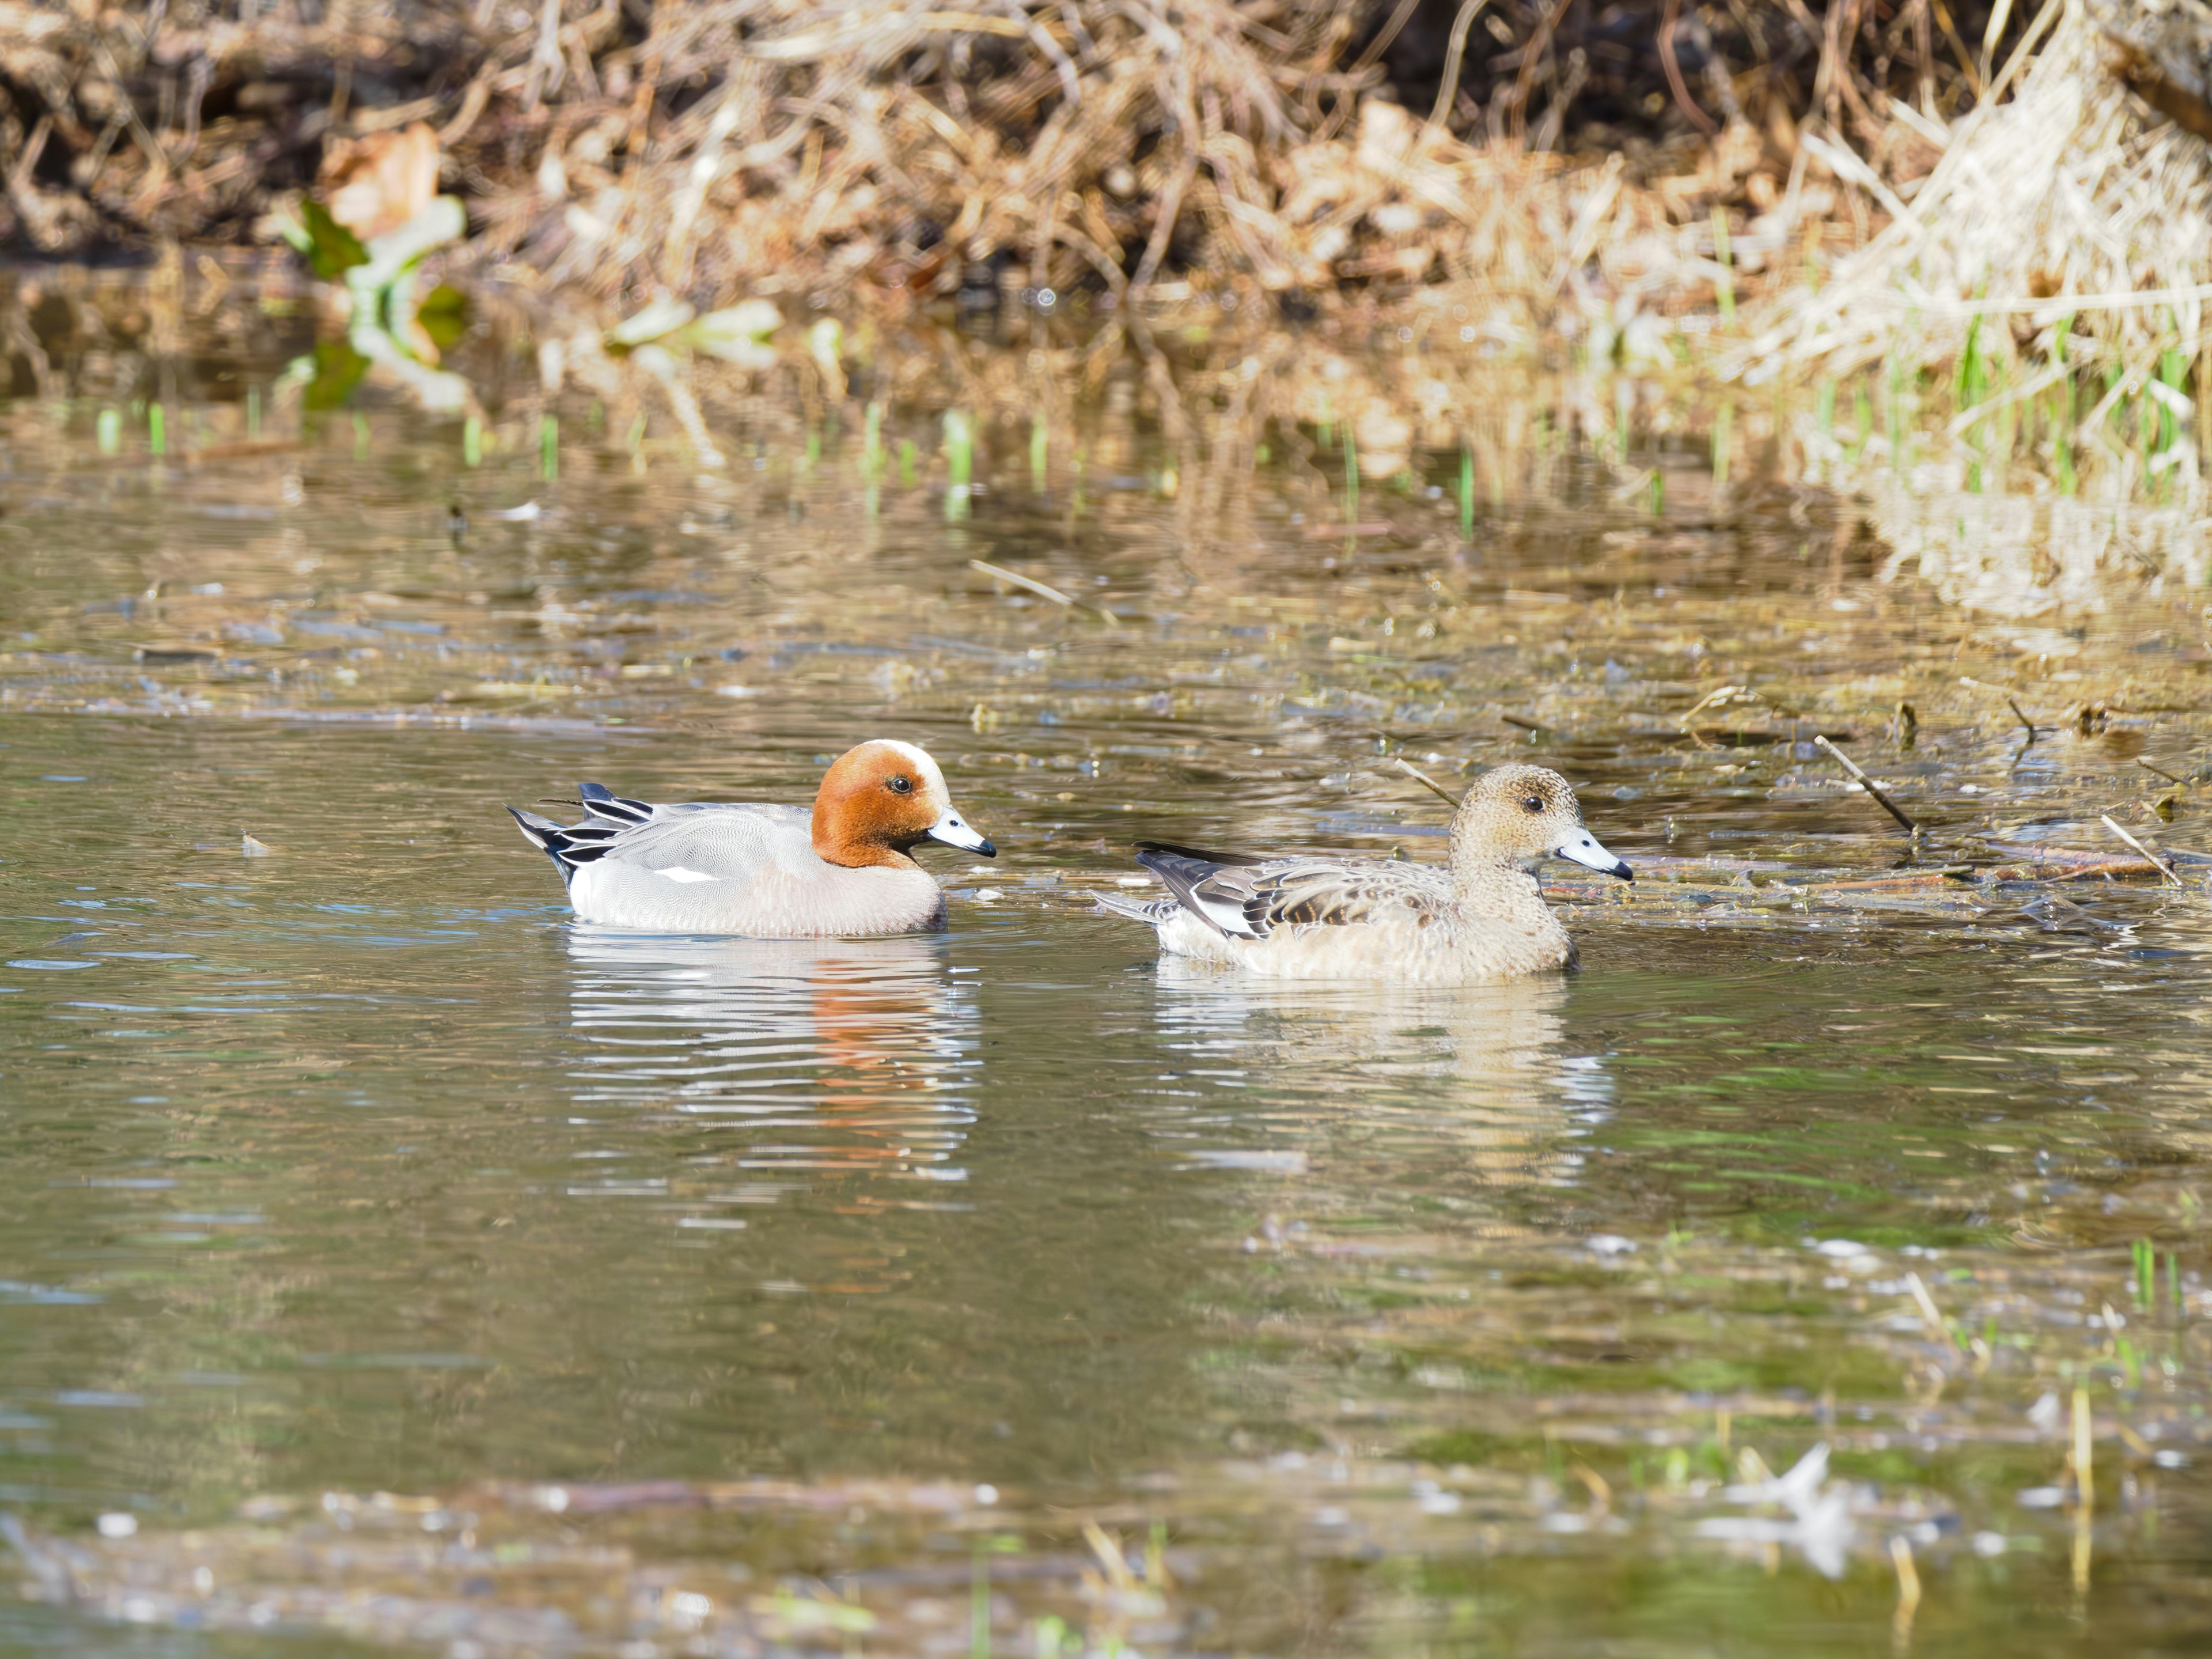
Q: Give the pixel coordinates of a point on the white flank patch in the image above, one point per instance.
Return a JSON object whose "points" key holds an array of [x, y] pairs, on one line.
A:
{"points": [[678, 872]]}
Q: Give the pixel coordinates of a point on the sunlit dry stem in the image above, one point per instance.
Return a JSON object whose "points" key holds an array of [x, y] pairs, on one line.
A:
{"points": [[2085, 1490], [1928, 1311], [2159, 864], [1442, 792], [1868, 785], [1908, 1589], [999, 573]]}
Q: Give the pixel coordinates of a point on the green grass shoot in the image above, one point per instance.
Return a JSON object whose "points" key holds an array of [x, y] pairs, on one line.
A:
{"points": [[959, 463]]}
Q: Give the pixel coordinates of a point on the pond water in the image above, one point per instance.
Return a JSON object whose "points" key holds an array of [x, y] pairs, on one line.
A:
{"points": [[384, 1259]]}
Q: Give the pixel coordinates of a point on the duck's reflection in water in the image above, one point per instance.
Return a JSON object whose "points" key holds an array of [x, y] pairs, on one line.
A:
{"points": [[1471, 1081], [830, 1057]]}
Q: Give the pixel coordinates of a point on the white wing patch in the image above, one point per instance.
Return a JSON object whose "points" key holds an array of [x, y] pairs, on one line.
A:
{"points": [[678, 872]]}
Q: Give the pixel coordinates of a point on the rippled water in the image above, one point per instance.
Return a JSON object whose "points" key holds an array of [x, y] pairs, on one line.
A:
{"points": [[1470, 1321]]}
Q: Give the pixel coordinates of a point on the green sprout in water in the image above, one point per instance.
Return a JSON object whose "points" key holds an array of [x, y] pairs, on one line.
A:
{"points": [[1466, 494], [109, 431], [472, 440], [548, 446], [2062, 400], [872, 440], [959, 463], [1972, 389], [157, 431]]}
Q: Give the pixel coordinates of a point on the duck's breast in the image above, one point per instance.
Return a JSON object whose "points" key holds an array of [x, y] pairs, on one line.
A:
{"points": [[746, 869]]}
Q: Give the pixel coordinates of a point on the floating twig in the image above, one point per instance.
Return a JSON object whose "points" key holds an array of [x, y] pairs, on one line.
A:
{"points": [[2162, 866], [1001, 573], [1529, 726], [1446, 794], [1868, 785], [2179, 783]]}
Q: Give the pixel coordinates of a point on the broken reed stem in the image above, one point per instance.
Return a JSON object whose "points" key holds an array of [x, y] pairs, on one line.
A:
{"points": [[2161, 772], [2085, 1490], [999, 573], [1868, 785], [2011, 702], [2158, 863], [1908, 1585], [1929, 1311], [2085, 1444], [1442, 792]]}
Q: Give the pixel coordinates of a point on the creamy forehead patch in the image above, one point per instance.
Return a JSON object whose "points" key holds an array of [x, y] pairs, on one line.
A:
{"points": [[925, 768]]}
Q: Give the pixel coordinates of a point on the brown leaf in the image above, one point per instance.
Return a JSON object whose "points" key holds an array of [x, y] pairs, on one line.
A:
{"points": [[377, 184]]}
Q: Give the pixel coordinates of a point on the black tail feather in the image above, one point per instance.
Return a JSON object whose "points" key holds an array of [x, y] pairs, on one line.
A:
{"points": [[571, 846], [602, 802]]}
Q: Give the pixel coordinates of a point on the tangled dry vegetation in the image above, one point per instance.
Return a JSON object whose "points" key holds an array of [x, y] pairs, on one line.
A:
{"points": [[1986, 223], [1546, 151], [2052, 268]]}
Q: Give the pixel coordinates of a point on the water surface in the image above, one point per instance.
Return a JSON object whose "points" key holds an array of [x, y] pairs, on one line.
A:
{"points": [[353, 1200]]}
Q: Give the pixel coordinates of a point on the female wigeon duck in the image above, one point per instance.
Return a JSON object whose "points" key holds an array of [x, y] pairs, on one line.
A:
{"points": [[1482, 917], [843, 870]]}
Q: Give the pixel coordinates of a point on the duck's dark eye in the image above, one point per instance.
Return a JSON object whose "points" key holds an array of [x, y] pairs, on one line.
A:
{"points": [[901, 785], [1533, 803]]}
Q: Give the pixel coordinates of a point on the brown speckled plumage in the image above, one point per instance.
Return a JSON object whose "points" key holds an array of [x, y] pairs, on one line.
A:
{"points": [[1481, 917]]}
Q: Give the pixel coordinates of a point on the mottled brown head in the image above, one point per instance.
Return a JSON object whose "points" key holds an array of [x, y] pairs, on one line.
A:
{"points": [[1518, 815], [878, 801]]}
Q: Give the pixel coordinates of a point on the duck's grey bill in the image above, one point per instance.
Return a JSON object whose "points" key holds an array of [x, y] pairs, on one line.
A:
{"points": [[954, 832], [1582, 849]]}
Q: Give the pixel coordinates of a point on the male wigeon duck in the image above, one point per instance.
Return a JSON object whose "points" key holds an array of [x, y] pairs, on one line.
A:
{"points": [[1482, 917], [843, 870]]}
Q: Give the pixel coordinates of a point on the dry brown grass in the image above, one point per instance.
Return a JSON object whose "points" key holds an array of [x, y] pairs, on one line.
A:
{"points": [[882, 150]]}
